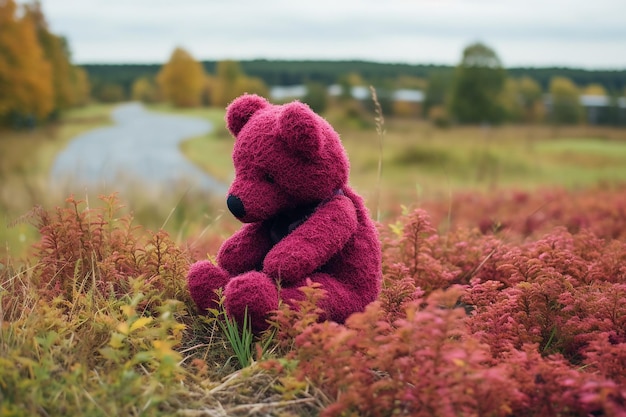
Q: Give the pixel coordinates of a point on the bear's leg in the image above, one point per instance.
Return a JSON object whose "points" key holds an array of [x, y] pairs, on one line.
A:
{"points": [[255, 293], [339, 302], [203, 279]]}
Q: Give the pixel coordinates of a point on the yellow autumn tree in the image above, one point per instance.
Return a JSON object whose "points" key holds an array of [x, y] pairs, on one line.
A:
{"points": [[182, 79], [509, 99], [251, 85], [25, 75], [566, 108], [144, 90], [522, 99], [225, 88], [81, 86], [532, 100], [65, 78], [230, 82], [594, 89]]}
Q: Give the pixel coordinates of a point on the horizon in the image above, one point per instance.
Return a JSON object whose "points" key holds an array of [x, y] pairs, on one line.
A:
{"points": [[341, 60]]}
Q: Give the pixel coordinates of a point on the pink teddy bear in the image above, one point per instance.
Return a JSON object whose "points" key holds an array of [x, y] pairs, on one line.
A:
{"points": [[301, 219]]}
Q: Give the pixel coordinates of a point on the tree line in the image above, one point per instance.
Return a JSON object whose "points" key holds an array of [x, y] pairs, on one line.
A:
{"points": [[38, 81], [481, 90], [37, 78], [295, 72], [478, 90]]}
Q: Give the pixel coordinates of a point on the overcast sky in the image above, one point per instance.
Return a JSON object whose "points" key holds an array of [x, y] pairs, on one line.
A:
{"points": [[574, 33]]}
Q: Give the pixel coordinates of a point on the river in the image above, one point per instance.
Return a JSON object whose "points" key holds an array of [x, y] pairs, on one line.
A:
{"points": [[139, 152]]}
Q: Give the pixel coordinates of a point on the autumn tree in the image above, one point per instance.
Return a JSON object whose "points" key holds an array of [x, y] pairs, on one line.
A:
{"points": [[208, 90], [181, 79], [510, 100], [251, 85], [225, 83], [531, 99], [25, 76], [522, 99], [81, 86], [144, 90], [110, 93], [565, 102], [230, 82], [477, 85], [595, 89], [56, 51]]}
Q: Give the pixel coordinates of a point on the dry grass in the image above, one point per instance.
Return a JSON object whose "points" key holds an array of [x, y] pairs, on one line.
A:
{"points": [[424, 163]]}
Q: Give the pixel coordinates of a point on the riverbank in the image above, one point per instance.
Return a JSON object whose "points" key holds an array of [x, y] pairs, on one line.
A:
{"points": [[210, 152], [141, 149], [27, 159]]}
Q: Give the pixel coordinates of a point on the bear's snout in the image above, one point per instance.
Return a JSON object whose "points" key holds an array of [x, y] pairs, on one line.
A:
{"points": [[235, 205]]}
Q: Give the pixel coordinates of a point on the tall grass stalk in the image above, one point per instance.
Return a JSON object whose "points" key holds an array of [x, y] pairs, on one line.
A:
{"points": [[380, 130], [180, 200]]}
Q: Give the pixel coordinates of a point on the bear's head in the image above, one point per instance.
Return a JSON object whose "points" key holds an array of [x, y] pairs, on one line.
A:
{"points": [[285, 157]]}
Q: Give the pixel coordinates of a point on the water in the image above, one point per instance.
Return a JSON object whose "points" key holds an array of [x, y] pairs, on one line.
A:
{"points": [[140, 152]]}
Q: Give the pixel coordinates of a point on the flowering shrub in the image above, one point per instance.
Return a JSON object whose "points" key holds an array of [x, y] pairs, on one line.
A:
{"points": [[601, 209], [423, 364], [521, 318], [476, 323], [83, 246]]}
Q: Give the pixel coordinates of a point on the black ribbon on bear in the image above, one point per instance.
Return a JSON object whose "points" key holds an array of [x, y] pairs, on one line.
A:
{"points": [[286, 222]]}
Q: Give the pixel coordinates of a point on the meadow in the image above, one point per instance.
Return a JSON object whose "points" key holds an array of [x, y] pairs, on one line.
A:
{"points": [[421, 162], [504, 254]]}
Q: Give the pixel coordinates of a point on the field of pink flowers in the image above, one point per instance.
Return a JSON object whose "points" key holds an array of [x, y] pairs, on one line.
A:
{"points": [[508, 304], [519, 308]]}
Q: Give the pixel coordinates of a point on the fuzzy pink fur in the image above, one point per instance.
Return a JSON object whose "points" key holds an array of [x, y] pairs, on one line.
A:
{"points": [[301, 219]]}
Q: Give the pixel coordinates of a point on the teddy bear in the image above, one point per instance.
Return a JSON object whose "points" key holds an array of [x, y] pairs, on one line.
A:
{"points": [[302, 222]]}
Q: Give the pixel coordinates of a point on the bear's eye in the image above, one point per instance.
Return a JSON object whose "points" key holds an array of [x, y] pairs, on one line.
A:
{"points": [[269, 178]]}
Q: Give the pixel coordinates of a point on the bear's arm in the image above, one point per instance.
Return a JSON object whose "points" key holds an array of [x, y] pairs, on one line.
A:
{"points": [[314, 242], [244, 251]]}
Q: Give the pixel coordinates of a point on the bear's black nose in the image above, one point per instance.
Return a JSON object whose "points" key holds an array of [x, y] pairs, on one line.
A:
{"points": [[235, 205]]}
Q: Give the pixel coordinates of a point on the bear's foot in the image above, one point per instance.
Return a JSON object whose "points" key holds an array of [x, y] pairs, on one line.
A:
{"points": [[255, 293], [203, 279]]}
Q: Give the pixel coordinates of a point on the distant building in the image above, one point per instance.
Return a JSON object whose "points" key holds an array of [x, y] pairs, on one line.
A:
{"points": [[362, 93], [407, 103], [604, 110], [358, 92], [599, 110], [283, 93], [409, 96], [594, 107]]}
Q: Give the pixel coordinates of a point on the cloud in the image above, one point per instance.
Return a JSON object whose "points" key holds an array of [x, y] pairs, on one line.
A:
{"points": [[534, 32]]}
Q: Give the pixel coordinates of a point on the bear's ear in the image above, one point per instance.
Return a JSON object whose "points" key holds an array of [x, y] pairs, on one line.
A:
{"points": [[241, 110], [300, 129]]}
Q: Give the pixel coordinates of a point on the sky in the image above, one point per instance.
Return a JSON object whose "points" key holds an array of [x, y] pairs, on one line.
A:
{"points": [[538, 33]]}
